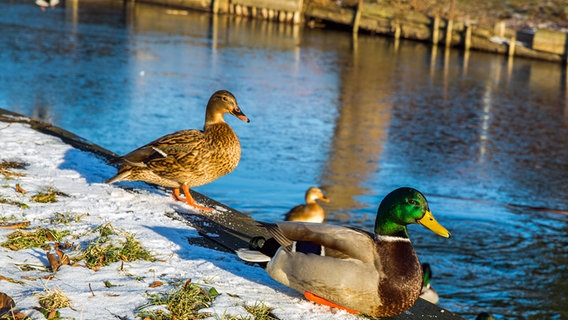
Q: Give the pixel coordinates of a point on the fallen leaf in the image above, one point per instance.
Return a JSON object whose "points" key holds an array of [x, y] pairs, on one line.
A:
{"points": [[50, 236], [19, 189], [112, 294], [53, 261], [52, 314], [6, 304], [10, 280], [186, 284], [15, 225], [63, 258], [156, 284]]}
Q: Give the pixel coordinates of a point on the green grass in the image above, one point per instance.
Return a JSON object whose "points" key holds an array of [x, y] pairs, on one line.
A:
{"points": [[260, 311], [186, 301], [37, 238], [66, 218], [183, 303], [111, 247], [6, 166], [11, 202], [51, 300], [48, 196]]}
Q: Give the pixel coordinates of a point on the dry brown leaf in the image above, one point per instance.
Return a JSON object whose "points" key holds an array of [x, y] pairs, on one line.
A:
{"points": [[10, 280], [53, 261], [156, 284], [19, 189], [52, 314], [64, 245], [63, 258], [6, 304], [18, 316], [14, 225], [50, 236]]}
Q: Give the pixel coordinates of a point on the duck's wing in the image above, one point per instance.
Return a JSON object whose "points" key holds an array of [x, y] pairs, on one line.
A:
{"points": [[180, 145], [295, 212], [343, 242]]}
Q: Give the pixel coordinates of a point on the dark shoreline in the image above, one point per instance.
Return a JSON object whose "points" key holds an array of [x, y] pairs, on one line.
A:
{"points": [[461, 32]]}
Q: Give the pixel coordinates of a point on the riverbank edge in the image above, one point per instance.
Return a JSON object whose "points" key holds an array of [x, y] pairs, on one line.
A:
{"points": [[242, 221], [540, 44]]}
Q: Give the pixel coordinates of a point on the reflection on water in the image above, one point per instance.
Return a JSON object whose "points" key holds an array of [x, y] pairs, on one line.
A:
{"points": [[482, 136]]}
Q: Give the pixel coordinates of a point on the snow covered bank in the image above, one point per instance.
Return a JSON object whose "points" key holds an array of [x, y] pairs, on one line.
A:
{"points": [[77, 177]]}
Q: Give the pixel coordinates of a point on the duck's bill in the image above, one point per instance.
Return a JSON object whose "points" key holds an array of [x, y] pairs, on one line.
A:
{"points": [[239, 114], [244, 118], [429, 222]]}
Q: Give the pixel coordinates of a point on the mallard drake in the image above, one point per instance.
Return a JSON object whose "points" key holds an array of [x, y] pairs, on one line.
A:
{"points": [[375, 274], [428, 293], [188, 158], [311, 211]]}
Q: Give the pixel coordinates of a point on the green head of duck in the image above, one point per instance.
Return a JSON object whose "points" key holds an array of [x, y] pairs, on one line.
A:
{"points": [[402, 207]]}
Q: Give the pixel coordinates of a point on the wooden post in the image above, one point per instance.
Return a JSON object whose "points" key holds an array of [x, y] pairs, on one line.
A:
{"points": [[215, 6], [436, 30], [512, 44], [449, 30], [357, 17], [397, 30], [467, 38], [450, 23], [298, 15], [499, 29]]}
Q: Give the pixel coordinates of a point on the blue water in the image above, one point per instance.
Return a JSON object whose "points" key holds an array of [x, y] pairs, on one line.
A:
{"points": [[483, 137]]}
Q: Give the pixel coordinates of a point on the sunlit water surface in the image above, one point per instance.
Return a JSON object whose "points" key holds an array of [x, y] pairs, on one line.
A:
{"points": [[483, 137]]}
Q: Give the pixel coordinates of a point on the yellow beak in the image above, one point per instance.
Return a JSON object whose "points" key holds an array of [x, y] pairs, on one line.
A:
{"points": [[429, 222]]}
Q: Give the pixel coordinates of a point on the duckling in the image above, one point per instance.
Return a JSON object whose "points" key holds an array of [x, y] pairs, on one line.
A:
{"points": [[188, 158], [311, 211], [428, 293], [374, 274]]}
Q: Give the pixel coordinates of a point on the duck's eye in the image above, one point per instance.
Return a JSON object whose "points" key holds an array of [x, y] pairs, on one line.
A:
{"points": [[413, 202]]}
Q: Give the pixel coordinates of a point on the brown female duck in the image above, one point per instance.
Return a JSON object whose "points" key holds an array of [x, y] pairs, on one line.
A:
{"points": [[188, 158], [311, 211]]}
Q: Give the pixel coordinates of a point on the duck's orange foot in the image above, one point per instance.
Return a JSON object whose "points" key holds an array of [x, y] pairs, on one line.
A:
{"points": [[189, 199], [317, 299]]}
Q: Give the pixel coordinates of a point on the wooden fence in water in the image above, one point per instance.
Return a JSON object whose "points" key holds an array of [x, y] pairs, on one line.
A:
{"points": [[542, 44]]}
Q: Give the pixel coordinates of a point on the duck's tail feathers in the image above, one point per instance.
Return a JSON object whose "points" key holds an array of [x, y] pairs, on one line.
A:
{"points": [[252, 255], [119, 177]]}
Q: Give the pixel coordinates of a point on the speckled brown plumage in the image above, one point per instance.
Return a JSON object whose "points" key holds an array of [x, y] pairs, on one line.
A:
{"points": [[188, 158], [311, 211]]}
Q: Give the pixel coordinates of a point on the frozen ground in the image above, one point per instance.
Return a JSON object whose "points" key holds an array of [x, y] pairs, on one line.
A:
{"points": [[80, 175]]}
